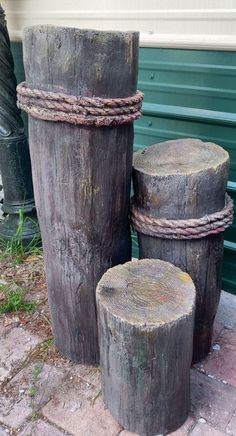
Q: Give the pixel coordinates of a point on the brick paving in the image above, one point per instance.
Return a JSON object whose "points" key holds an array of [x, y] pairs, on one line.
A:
{"points": [[3, 432], [42, 399], [15, 346]]}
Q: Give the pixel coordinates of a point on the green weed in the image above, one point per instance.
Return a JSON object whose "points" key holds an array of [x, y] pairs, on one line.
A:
{"points": [[16, 248], [37, 371], [34, 416], [33, 391], [14, 300]]}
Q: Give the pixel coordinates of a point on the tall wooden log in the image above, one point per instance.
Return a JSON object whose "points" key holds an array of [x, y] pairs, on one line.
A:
{"points": [[81, 174], [145, 318], [184, 179]]}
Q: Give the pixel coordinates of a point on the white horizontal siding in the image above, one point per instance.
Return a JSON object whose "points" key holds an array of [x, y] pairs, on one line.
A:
{"points": [[180, 23]]}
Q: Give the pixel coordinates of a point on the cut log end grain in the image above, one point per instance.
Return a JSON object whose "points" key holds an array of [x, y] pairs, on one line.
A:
{"points": [[147, 292], [181, 156]]}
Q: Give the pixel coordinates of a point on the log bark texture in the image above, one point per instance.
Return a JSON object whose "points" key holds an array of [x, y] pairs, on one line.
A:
{"points": [[145, 319], [81, 175], [184, 179]]}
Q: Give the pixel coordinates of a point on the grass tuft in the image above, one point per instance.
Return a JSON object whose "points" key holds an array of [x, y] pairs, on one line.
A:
{"points": [[14, 300], [32, 391], [16, 248]]}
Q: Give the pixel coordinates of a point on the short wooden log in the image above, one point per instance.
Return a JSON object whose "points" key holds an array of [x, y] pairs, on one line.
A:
{"points": [[81, 175], [183, 179], [145, 319]]}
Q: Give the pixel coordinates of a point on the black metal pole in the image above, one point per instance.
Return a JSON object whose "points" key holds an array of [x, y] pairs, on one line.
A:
{"points": [[15, 166]]}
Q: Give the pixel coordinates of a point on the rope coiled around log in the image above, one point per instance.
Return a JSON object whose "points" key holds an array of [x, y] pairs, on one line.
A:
{"points": [[85, 111], [182, 229]]}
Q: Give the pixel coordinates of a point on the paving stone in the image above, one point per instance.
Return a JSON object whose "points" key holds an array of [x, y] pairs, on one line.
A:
{"points": [[12, 355], [40, 428], [205, 430], [231, 427], [89, 373], [3, 432], [44, 377], [4, 371], [212, 400], [226, 313], [2, 328], [14, 412], [217, 329], [7, 323], [79, 409], [19, 404], [222, 362]]}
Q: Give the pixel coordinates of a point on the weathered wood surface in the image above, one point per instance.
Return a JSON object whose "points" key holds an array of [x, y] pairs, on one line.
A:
{"points": [[81, 175], [145, 319], [177, 180]]}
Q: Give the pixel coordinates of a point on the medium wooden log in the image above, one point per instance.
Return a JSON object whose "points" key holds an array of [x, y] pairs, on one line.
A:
{"points": [[183, 179], [81, 174], [145, 319]]}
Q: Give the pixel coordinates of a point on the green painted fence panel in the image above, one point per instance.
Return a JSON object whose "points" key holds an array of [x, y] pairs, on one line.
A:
{"points": [[188, 93], [192, 93]]}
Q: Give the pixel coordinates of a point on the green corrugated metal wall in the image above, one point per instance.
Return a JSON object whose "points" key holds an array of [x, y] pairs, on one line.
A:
{"points": [[188, 93], [192, 93]]}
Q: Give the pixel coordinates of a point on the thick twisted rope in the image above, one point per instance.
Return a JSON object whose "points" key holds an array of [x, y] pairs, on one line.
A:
{"points": [[183, 229], [85, 111]]}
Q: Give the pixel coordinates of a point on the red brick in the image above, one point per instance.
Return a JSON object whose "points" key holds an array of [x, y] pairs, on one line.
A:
{"points": [[222, 363], [226, 313], [205, 430], [89, 373], [217, 329], [212, 400], [40, 428], [231, 427], [79, 410]]}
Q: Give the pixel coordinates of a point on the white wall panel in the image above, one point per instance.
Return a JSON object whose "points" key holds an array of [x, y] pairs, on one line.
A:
{"points": [[209, 24]]}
